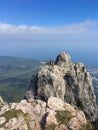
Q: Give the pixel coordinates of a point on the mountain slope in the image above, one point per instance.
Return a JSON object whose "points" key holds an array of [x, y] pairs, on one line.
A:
{"points": [[13, 89]]}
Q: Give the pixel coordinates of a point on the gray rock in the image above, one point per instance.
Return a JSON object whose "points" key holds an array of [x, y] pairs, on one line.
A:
{"points": [[1, 101], [50, 83], [63, 58], [32, 89], [67, 81]]}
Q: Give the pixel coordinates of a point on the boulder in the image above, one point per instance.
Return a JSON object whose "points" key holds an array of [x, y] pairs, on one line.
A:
{"points": [[2, 120], [63, 59]]}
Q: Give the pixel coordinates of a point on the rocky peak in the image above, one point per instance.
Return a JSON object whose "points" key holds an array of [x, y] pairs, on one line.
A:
{"points": [[67, 81], [63, 58]]}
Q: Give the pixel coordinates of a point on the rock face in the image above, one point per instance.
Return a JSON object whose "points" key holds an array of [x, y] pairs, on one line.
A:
{"points": [[1, 101], [67, 81], [39, 115]]}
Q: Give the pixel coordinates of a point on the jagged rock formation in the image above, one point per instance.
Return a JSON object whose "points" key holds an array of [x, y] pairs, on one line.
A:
{"points": [[67, 81], [39, 115]]}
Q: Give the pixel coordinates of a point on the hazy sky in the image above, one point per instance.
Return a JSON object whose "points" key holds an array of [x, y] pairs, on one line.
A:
{"points": [[42, 28]]}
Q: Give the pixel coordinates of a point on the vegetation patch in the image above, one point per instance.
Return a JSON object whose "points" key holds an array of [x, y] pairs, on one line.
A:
{"points": [[2, 125], [88, 126], [11, 114], [15, 114], [27, 119], [80, 104], [50, 127], [63, 117]]}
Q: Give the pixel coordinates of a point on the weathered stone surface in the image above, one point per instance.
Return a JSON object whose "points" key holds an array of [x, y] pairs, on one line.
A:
{"points": [[1, 101], [25, 106], [16, 124], [81, 117], [63, 59], [37, 115], [70, 109], [50, 83], [74, 124], [2, 120], [68, 81], [32, 89], [51, 119], [37, 126], [4, 109], [55, 103], [13, 105], [61, 127]]}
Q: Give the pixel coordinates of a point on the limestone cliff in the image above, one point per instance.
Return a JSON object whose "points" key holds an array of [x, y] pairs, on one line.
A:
{"points": [[65, 80]]}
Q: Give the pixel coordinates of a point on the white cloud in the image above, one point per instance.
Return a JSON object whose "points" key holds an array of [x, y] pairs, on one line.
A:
{"points": [[31, 41], [72, 29]]}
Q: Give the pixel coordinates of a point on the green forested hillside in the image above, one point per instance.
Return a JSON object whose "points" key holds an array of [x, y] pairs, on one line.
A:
{"points": [[13, 89]]}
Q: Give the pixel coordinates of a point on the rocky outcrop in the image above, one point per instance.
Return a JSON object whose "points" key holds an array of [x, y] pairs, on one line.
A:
{"points": [[63, 59], [67, 81], [39, 115], [1, 102]]}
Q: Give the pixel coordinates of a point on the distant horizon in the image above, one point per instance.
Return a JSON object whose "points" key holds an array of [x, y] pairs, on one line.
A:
{"points": [[42, 29], [87, 60]]}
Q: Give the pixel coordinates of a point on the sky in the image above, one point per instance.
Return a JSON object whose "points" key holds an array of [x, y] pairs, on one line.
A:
{"points": [[41, 29]]}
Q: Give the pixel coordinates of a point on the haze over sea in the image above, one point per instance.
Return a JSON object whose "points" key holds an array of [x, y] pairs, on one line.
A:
{"points": [[41, 29]]}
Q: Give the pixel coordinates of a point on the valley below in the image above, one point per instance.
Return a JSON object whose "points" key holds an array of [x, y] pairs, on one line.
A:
{"points": [[15, 77], [13, 89]]}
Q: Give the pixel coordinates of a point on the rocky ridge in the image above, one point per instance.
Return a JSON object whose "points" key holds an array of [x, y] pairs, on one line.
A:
{"points": [[67, 81], [39, 115]]}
